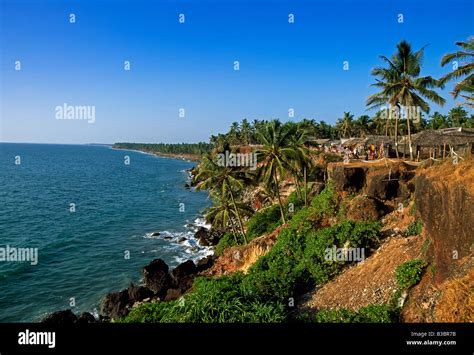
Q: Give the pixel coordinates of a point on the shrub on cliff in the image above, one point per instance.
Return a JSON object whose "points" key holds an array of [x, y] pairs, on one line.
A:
{"points": [[348, 234], [227, 241], [297, 260], [263, 221], [414, 228], [326, 202], [278, 274], [409, 273]]}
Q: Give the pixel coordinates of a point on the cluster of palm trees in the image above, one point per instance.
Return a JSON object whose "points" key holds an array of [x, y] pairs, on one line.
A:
{"points": [[401, 85], [281, 155], [281, 151]]}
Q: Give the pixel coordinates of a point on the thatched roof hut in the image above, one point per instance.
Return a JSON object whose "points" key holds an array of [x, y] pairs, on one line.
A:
{"points": [[449, 136], [365, 141]]}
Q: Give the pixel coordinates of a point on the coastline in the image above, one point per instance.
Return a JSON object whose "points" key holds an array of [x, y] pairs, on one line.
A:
{"points": [[190, 157]]}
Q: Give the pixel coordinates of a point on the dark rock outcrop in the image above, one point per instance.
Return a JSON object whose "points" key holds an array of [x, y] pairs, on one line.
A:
{"points": [[115, 305], [159, 282], [391, 182], [118, 304], [60, 317], [138, 293], [205, 263], [156, 277], [86, 317], [364, 208], [208, 237]]}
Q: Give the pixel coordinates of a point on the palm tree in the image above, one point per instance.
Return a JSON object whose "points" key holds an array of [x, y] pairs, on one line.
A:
{"points": [[224, 212], [275, 155], [299, 159], [345, 125], [234, 134], [402, 86], [223, 179], [438, 121], [245, 132], [379, 124], [457, 117], [466, 70], [363, 125]]}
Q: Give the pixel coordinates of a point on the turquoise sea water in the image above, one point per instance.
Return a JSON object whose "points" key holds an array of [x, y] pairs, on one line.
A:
{"points": [[82, 254]]}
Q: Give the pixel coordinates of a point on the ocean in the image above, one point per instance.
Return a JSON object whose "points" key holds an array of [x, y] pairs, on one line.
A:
{"points": [[90, 217]]}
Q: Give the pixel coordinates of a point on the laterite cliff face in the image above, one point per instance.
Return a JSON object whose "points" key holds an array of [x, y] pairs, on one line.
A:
{"points": [[381, 180], [444, 197]]}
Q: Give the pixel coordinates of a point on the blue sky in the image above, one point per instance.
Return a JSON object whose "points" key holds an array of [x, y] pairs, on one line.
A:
{"points": [[190, 65]]}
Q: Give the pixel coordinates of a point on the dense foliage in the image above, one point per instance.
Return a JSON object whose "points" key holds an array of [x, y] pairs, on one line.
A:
{"points": [[212, 301], [180, 148]]}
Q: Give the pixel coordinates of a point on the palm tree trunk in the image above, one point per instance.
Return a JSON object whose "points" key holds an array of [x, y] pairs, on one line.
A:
{"points": [[297, 185], [409, 135], [238, 214], [396, 136], [305, 187], [279, 198], [234, 233]]}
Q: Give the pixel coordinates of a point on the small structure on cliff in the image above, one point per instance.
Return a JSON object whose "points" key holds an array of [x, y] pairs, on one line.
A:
{"points": [[441, 143], [382, 144]]}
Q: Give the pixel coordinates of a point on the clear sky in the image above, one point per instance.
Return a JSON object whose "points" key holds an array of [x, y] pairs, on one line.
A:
{"points": [[191, 65]]}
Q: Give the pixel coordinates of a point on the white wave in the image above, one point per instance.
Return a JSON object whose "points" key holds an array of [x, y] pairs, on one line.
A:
{"points": [[201, 222]]}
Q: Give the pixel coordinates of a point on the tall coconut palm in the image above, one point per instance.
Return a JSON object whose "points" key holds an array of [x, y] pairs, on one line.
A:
{"points": [[401, 84], [245, 132], [379, 124], [363, 125], [465, 87], [225, 180], [345, 125], [275, 156], [300, 160]]}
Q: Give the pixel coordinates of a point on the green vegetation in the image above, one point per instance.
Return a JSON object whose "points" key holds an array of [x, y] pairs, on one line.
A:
{"points": [[294, 265], [180, 148], [409, 273], [211, 301], [401, 85], [369, 314], [263, 221], [414, 228], [465, 55], [227, 240], [225, 184], [298, 260]]}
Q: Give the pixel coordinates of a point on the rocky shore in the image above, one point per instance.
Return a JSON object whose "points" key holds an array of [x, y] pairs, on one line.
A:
{"points": [[159, 284]]}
